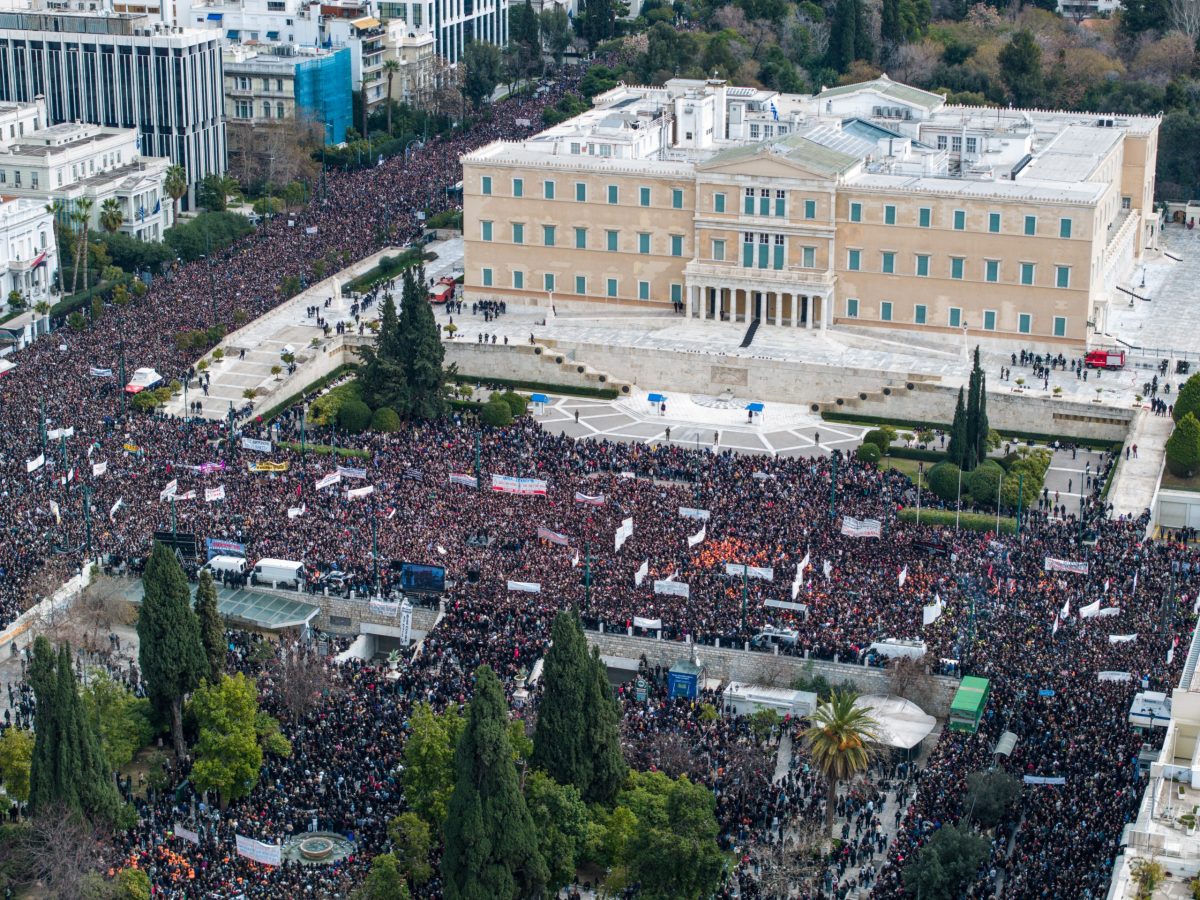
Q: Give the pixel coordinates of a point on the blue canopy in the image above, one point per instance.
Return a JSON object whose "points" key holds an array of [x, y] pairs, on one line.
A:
{"points": [[657, 398], [539, 398], [754, 407]]}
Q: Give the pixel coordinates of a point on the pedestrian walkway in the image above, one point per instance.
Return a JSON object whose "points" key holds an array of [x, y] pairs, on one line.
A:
{"points": [[1136, 479]]}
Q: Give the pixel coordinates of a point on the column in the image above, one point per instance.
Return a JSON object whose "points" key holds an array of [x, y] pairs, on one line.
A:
{"points": [[812, 312], [690, 292], [826, 308]]}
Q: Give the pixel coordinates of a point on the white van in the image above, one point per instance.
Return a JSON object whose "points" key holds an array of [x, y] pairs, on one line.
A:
{"points": [[283, 572], [219, 565]]}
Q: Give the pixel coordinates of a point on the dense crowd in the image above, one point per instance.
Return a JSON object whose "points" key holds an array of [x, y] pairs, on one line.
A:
{"points": [[1005, 617]]}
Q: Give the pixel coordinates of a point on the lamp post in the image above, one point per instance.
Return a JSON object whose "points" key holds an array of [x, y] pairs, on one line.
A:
{"points": [[302, 433], [920, 478], [87, 518], [121, 385], [833, 461], [478, 456]]}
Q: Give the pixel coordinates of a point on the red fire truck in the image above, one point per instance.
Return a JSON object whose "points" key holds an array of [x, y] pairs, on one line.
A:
{"points": [[1105, 359], [442, 291]]}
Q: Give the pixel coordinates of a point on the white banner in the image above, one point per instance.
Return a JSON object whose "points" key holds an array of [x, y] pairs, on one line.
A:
{"points": [[185, 834], [189, 495], [361, 492], [1043, 779], [640, 575], [405, 622], [554, 537], [852, 527], [170, 490], [826, 568], [507, 484], [98, 372], [349, 472], [1122, 638], [677, 588], [698, 537], [211, 495], [1086, 612], [1108, 611], [652, 624], [589, 499], [688, 513], [252, 444], [783, 604], [295, 512], [57, 514], [765, 573], [328, 480], [529, 587], [36, 463], [56, 433], [267, 854], [1066, 565], [466, 480], [99, 468], [624, 533], [112, 512], [933, 612], [1113, 676], [387, 608]]}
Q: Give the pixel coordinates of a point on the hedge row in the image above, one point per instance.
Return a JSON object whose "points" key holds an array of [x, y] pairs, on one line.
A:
{"points": [[325, 449], [516, 383], [912, 425], [389, 267], [933, 456], [969, 521], [299, 395]]}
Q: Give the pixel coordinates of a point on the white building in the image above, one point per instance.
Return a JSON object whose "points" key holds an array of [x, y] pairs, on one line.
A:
{"points": [[28, 254], [126, 71], [71, 161], [453, 23], [19, 119]]}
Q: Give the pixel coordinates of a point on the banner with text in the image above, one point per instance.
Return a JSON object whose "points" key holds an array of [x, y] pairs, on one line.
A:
{"points": [[527, 487], [1076, 567], [267, 854], [675, 588], [852, 527]]}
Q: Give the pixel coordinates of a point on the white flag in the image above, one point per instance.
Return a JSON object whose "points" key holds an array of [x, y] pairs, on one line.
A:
{"points": [[903, 575], [211, 495], [1086, 612], [112, 512], [1066, 609], [99, 468], [361, 492], [640, 575], [54, 509], [1054, 630], [296, 511], [698, 537], [827, 567], [441, 550], [36, 463], [1171, 650], [1135, 577], [170, 490], [931, 613]]}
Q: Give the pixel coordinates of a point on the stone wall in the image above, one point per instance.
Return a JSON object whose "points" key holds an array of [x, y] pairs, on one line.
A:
{"points": [[728, 665]]}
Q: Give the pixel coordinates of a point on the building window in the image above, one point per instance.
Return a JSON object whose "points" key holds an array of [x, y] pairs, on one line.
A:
{"points": [[810, 209], [754, 131], [610, 240], [611, 287], [1126, 203], [855, 212], [718, 250], [1024, 323], [612, 195], [991, 270], [1062, 276], [889, 215], [956, 144], [580, 238], [972, 143], [486, 185], [677, 245], [719, 203], [487, 277], [1064, 228], [960, 220], [888, 264], [676, 293], [548, 235], [547, 190], [643, 290], [764, 202], [919, 313], [485, 229], [279, 112], [580, 192], [644, 196], [955, 317], [1060, 326], [994, 223], [853, 260], [781, 203], [780, 252], [748, 249], [922, 265], [809, 257], [518, 233], [956, 267], [989, 320], [885, 311], [942, 142], [581, 284], [1031, 225], [764, 250], [748, 201], [851, 307], [924, 216], [1027, 273], [676, 198], [643, 243], [519, 280], [518, 186], [548, 281]]}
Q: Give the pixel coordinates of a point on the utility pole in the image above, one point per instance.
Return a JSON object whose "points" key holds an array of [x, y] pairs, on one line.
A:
{"points": [[42, 423], [1020, 497], [121, 385], [302, 432], [478, 437], [229, 447], [87, 518], [920, 478], [833, 461], [174, 522], [587, 575], [374, 548]]}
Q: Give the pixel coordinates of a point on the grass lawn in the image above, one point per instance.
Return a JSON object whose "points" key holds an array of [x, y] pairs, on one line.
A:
{"points": [[1175, 483], [907, 466]]}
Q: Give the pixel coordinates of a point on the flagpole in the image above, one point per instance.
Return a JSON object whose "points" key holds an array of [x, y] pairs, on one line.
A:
{"points": [[833, 486], [958, 503], [42, 424], [920, 478], [1020, 497], [87, 518], [999, 486]]}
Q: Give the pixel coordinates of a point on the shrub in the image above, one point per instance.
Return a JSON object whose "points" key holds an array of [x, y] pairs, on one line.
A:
{"points": [[878, 437], [984, 483], [967, 521], [1183, 448], [990, 464], [868, 453], [1188, 400], [385, 419], [518, 404], [943, 481], [496, 413], [354, 416]]}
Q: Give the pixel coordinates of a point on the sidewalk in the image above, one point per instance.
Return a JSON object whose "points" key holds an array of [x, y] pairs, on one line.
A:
{"points": [[1136, 478]]}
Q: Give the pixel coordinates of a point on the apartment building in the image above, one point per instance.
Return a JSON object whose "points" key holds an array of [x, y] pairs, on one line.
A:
{"points": [[268, 86], [121, 70], [28, 253], [872, 205]]}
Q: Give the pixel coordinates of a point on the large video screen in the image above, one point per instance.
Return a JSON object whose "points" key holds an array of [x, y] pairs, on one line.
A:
{"points": [[422, 579]]}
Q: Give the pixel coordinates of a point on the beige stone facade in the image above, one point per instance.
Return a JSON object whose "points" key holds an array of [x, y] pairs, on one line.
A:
{"points": [[817, 211]]}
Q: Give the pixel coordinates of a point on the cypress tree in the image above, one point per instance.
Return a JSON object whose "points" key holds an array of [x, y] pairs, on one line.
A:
{"points": [[560, 746], [425, 353], [212, 630], [43, 680], [840, 53], [981, 420], [969, 447], [171, 653], [383, 377], [890, 28], [491, 846], [958, 433], [603, 735]]}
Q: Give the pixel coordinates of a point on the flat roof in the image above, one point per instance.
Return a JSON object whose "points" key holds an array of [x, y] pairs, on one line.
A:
{"points": [[1022, 189], [271, 611], [884, 85]]}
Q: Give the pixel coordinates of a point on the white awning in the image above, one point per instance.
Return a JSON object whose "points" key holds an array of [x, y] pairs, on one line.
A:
{"points": [[902, 724]]}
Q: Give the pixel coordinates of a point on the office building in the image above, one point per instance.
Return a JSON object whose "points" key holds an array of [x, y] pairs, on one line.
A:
{"points": [[453, 23], [122, 71], [269, 86], [871, 205]]}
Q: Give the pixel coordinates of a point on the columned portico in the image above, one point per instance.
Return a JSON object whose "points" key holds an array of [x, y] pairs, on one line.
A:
{"points": [[737, 295]]}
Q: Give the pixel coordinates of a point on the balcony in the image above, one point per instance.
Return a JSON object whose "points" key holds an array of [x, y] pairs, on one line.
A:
{"points": [[791, 280]]}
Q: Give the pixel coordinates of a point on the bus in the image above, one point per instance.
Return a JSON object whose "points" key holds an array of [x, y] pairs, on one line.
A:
{"points": [[969, 703]]}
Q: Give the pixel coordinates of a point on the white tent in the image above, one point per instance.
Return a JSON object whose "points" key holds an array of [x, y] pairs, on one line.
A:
{"points": [[902, 724]]}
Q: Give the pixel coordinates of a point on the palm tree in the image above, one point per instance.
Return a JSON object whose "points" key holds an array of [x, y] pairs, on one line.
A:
{"points": [[83, 220], [841, 740], [391, 67], [112, 216], [55, 208], [176, 185]]}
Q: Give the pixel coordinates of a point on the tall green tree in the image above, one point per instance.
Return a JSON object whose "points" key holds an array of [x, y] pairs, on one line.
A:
{"points": [[212, 629], [981, 428], [122, 721], [423, 353], [491, 847], [383, 376], [947, 864], [603, 724], [170, 652], [1188, 399], [556, 32], [1021, 68], [384, 881], [560, 818], [956, 448], [970, 451], [16, 757], [840, 740], [411, 840], [482, 64], [429, 774], [842, 35], [1183, 448], [597, 20]]}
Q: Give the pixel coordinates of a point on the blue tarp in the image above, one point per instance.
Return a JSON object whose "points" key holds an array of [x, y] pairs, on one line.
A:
{"points": [[539, 398], [215, 17], [657, 398], [754, 407]]}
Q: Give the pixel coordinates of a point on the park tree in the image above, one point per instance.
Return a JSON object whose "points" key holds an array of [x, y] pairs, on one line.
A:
{"points": [[956, 449], [412, 841], [947, 864], [1188, 399], [1183, 448], [556, 32], [384, 881], [604, 735], [171, 652], [429, 774], [560, 819], [491, 847], [383, 377], [1021, 68], [840, 740], [16, 756], [122, 721], [482, 63], [991, 796], [422, 349], [212, 630]]}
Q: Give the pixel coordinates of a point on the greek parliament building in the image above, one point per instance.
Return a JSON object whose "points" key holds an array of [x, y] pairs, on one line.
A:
{"points": [[125, 71], [874, 204]]}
